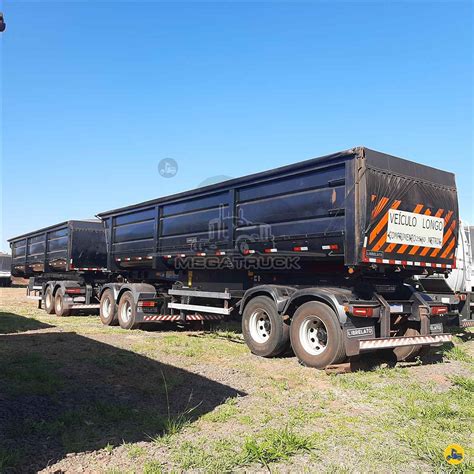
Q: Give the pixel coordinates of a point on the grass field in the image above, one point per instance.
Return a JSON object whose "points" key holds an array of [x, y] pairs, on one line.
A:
{"points": [[76, 396]]}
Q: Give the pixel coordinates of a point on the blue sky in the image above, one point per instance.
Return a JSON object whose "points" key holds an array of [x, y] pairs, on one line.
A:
{"points": [[95, 94]]}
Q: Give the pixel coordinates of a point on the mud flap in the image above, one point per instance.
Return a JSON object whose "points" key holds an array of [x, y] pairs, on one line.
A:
{"points": [[356, 330]]}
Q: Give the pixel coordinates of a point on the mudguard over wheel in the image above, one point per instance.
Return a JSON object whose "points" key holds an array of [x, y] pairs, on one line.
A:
{"points": [[49, 300], [264, 330], [60, 307], [127, 311], [316, 336], [108, 309]]}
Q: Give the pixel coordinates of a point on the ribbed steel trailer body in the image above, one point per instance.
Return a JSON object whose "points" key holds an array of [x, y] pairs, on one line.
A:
{"points": [[64, 247], [344, 207]]}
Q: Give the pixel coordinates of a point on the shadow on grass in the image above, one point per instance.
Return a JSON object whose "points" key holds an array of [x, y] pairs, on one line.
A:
{"points": [[62, 393], [13, 323]]}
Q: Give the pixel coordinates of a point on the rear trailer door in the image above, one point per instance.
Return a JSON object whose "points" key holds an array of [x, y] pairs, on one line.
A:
{"points": [[410, 213]]}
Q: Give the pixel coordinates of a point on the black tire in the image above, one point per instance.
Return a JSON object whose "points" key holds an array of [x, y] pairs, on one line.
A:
{"points": [[59, 306], [108, 309], [316, 336], [49, 300], [264, 330], [407, 353], [127, 312]]}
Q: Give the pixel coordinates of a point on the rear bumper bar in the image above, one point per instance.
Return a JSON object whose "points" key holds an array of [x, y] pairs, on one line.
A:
{"points": [[467, 323], [391, 342]]}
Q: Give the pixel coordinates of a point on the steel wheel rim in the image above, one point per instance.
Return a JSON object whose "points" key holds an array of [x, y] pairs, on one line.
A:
{"points": [[106, 305], [126, 312], [260, 326], [313, 335], [59, 304]]}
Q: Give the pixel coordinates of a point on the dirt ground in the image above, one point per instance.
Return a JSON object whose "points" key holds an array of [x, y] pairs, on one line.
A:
{"points": [[76, 396]]}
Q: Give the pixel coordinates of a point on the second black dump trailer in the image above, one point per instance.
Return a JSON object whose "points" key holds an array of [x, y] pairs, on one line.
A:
{"points": [[65, 263], [314, 255]]}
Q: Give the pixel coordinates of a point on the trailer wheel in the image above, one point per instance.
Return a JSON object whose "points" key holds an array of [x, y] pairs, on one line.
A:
{"points": [[316, 336], [407, 353], [59, 306], [49, 300], [108, 309], [127, 311], [264, 330]]}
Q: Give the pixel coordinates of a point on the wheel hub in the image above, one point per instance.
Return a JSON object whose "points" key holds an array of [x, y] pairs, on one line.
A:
{"points": [[106, 307], [260, 326], [126, 312], [313, 335]]}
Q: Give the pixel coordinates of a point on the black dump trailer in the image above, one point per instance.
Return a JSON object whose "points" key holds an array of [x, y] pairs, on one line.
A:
{"points": [[315, 255], [65, 263]]}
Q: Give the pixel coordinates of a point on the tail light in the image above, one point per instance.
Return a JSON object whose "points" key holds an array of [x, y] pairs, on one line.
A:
{"points": [[438, 310], [146, 304], [360, 311], [73, 291]]}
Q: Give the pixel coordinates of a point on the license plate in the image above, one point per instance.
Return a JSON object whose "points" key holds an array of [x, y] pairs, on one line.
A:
{"points": [[396, 308], [436, 328]]}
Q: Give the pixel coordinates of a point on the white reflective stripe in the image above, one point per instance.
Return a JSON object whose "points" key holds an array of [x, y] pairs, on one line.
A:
{"points": [[385, 260], [398, 262], [403, 341], [409, 262], [326, 247], [373, 260]]}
